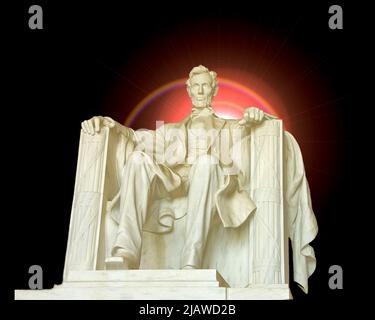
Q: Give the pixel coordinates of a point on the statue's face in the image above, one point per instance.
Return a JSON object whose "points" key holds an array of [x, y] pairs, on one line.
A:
{"points": [[200, 90]]}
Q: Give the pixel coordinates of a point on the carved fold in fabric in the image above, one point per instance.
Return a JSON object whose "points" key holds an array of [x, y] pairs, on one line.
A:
{"points": [[303, 226]]}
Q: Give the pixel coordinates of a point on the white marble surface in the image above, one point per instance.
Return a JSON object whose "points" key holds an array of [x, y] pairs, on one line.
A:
{"points": [[114, 292], [260, 292], [203, 284], [134, 285], [146, 276], [124, 293]]}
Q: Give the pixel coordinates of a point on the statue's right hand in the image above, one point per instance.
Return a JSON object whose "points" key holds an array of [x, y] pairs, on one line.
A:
{"points": [[94, 125]]}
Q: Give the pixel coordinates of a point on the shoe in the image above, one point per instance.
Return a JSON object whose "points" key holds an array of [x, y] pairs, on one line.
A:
{"points": [[188, 267], [117, 263]]}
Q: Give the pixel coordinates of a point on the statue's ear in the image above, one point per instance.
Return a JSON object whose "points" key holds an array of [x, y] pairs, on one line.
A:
{"points": [[216, 89], [188, 90]]}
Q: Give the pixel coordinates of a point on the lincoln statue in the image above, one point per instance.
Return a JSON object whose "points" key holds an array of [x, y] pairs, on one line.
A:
{"points": [[205, 160], [201, 209]]}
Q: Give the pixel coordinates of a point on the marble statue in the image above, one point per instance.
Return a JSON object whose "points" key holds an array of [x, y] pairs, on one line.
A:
{"points": [[205, 194]]}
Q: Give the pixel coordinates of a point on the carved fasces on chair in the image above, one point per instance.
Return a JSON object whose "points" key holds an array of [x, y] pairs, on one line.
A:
{"points": [[85, 224], [256, 252], [268, 251]]}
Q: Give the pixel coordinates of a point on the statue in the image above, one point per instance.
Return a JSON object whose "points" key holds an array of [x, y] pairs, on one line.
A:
{"points": [[196, 174], [203, 193]]}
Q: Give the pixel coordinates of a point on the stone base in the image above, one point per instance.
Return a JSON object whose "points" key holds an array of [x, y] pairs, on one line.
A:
{"points": [[260, 292], [202, 284]]}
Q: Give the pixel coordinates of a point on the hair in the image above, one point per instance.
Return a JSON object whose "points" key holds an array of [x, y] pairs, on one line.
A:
{"points": [[202, 69]]}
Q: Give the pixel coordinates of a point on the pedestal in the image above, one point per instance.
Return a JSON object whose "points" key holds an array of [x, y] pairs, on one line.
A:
{"points": [[202, 284]]}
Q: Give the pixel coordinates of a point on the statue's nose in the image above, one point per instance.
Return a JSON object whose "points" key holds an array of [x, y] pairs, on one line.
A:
{"points": [[200, 91]]}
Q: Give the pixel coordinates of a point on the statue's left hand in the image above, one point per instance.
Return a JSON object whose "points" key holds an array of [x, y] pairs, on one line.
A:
{"points": [[254, 115]]}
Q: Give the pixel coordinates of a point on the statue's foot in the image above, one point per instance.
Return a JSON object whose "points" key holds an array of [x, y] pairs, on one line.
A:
{"points": [[188, 267], [117, 263], [121, 259]]}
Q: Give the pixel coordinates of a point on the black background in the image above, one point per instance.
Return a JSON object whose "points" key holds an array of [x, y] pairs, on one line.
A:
{"points": [[58, 83]]}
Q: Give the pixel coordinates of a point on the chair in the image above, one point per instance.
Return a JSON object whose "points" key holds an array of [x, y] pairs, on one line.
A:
{"points": [[254, 254]]}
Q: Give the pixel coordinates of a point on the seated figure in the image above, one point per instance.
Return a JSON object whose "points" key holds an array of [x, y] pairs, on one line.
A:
{"points": [[205, 160]]}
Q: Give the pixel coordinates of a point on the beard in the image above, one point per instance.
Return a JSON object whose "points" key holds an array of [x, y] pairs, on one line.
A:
{"points": [[202, 102]]}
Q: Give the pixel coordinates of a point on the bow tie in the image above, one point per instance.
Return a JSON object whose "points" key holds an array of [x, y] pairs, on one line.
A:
{"points": [[199, 112]]}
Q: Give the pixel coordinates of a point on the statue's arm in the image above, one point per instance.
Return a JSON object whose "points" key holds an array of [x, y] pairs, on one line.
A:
{"points": [[125, 131]]}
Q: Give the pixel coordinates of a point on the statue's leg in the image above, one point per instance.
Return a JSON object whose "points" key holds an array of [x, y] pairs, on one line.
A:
{"points": [[205, 178], [137, 177]]}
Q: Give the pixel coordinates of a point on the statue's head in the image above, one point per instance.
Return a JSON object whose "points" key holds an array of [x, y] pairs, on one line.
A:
{"points": [[201, 86]]}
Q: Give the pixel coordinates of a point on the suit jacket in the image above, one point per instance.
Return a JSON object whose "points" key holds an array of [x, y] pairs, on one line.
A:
{"points": [[168, 146]]}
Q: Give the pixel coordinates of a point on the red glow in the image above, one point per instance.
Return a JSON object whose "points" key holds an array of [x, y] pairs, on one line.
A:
{"points": [[251, 55]]}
